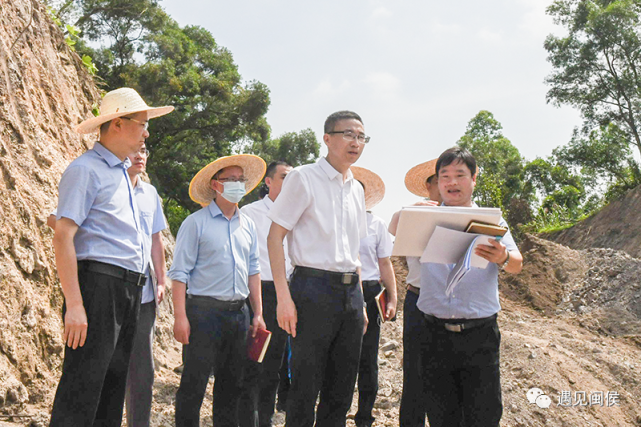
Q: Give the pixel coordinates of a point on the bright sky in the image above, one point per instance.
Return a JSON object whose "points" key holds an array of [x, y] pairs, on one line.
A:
{"points": [[415, 70]]}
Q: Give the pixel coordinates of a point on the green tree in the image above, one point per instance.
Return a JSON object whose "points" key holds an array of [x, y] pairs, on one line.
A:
{"points": [[499, 183], [596, 65], [295, 148]]}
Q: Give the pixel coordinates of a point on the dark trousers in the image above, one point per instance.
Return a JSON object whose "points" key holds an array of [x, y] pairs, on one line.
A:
{"points": [[325, 351], [285, 378], [140, 379], [461, 376], [262, 379], [368, 365], [218, 341], [91, 391], [412, 411]]}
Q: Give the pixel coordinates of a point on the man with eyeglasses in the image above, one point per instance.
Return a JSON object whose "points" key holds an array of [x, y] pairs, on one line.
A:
{"points": [[321, 210], [215, 269], [101, 259], [140, 378]]}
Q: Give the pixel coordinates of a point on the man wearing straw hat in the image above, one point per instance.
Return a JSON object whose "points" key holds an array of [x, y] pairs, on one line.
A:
{"points": [[461, 343], [215, 269], [264, 382], [321, 210], [101, 262], [420, 180], [375, 252]]}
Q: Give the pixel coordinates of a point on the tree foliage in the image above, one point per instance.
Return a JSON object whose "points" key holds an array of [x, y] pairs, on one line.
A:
{"points": [[597, 64]]}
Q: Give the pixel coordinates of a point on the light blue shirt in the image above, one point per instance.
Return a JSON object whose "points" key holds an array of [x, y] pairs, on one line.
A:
{"points": [[215, 256], [475, 297], [152, 221], [95, 192]]}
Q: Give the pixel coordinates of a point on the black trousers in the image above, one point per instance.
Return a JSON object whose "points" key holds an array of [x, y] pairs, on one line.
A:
{"points": [[325, 351], [368, 365], [218, 341], [262, 379], [412, 411], [461, 376], [91, 391]]}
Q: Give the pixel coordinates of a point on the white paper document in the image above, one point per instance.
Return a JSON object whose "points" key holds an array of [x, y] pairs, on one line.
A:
{"points": [[448, 246], [417, 223]]}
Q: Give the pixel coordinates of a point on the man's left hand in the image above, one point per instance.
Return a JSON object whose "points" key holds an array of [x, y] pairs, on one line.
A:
{"points": [[257, 323], [161, 292], [496, 252]]}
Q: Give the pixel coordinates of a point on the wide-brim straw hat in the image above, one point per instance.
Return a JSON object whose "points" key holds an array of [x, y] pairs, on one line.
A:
{"points": [[374, 186], [253, 168], [118, 103], [416, 178]]}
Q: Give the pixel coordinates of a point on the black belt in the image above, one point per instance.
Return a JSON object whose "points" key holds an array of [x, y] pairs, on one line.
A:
{"points": [[458, 325], [332, 276], [267, 282], [371, 283], [219, 304], [138, 279]]}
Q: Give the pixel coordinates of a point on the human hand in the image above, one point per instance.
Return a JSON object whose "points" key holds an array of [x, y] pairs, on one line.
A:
{"points": [[75, 333], [257, 323], [496, 252], [182, 329], [287, 316]]}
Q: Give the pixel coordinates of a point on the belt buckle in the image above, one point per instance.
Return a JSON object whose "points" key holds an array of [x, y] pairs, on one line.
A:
{"points": [[346, 278], [140, 277], [453, 327]]}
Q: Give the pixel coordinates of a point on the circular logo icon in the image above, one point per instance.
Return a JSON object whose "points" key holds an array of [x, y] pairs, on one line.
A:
{"points": [[543, 401], [533, 393]]}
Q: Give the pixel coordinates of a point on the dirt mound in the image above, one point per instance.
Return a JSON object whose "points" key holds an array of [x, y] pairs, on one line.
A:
{"points": [[616, 226]]}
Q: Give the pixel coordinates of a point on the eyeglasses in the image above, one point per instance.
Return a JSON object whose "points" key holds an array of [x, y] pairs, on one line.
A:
{"points": [[231, 179], [145, 125], [143, 152], [349, 135]]}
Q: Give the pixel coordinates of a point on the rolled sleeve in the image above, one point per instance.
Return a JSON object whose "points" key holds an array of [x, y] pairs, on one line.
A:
{"points": [[186, 252], [292, 201], [76, 193]]}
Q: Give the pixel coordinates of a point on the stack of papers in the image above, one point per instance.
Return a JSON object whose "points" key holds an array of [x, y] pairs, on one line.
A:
{"points": [[467, 262]]}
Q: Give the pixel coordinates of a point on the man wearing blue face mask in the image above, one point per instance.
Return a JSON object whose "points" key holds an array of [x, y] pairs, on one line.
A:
{"points": [[216, 267]]}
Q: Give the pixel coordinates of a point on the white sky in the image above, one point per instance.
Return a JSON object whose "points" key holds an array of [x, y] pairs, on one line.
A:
{"points": [[415, 70]]}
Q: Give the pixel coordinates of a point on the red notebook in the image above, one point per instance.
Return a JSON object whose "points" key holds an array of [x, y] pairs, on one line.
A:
{"points": [[257, 346], [381, 304]]}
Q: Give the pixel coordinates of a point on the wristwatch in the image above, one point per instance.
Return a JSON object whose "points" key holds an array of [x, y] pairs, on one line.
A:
{"points": [[507, 260]]}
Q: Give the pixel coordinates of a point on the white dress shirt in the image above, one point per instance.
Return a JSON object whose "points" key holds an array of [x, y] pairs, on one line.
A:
{"points": [[377, 244], [324, 215], [258, 211]]}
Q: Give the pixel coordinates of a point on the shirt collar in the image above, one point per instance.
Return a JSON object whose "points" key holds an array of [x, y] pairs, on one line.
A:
{"points": [[214, 210], [139, 185], [474, 205], [110, 157], [331, 172], [268, 202]]}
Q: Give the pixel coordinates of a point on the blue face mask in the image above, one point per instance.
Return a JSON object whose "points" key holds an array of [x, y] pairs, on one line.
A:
{"points": [[233, 191]]}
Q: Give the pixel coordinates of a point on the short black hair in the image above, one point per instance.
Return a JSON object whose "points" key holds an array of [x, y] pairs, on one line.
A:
{"points": [[430, 179], [454, 155], [271, 169], [333, 118], [105, 127], [263, 190]]}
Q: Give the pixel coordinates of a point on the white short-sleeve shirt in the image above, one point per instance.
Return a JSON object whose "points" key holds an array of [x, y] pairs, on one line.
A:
{"points": [[377, 244], [324, 215]]}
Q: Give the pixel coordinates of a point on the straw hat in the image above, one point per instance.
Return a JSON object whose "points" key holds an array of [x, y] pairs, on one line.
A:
{"points": [[118, 103], [417, 176], [253, 167], [374, 186]]}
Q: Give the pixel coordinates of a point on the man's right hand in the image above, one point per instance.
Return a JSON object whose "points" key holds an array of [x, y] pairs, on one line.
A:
{"points": [[75, 333], [182, 329], [287, 316]]}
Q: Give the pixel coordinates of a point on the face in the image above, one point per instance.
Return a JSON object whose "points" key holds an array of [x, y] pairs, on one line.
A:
{"points": [[341, 150], [275, 184], [456, 184], [230, 173], [132, 131], [138, 160], [432, 189]]}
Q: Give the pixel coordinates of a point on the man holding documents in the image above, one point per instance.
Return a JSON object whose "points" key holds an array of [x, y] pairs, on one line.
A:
{"points": [[321, 209], [462, 339]]}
